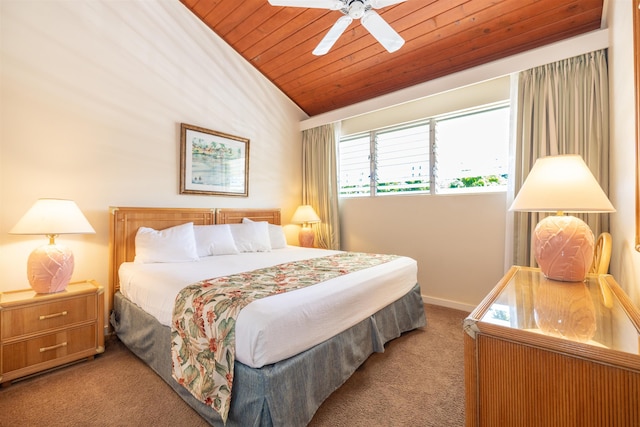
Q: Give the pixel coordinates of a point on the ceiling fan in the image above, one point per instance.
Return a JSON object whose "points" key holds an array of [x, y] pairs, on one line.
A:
{"points": [[352, 9]]}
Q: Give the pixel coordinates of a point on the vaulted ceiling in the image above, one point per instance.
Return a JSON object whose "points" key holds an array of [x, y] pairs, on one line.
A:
{"points": [[442, 37]]}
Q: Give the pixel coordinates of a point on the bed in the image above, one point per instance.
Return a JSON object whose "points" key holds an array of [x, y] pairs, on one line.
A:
{"points": [[287, 388]]}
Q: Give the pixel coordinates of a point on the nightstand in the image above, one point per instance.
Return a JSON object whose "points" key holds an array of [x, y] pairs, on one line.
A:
{"points": [[544, 353], [43, 331]]}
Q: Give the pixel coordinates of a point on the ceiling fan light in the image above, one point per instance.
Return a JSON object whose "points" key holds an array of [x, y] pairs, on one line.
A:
{"points": [[382, 31], [356, 9]]}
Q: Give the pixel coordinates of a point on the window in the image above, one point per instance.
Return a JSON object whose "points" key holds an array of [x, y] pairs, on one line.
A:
{"points": [[473, 151], [464, 152], [355, 176], [402, 160]]}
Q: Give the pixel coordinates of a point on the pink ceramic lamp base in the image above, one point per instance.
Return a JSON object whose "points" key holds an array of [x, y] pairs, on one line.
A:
{"points": [[49, 268], [306, 237], [563, 248]]}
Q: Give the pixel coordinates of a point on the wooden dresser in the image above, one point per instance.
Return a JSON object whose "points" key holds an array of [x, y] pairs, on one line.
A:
{"points": [[43, 331], [545, 353]]}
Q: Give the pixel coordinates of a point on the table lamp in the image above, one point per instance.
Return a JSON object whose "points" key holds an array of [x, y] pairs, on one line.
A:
{"points": [[49, 267], [305, 215], [563, 245]]}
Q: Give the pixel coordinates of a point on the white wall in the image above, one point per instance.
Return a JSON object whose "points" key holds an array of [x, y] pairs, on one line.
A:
{"points": [[625, 261], [458, 240], [92, 97], [468, 97]]}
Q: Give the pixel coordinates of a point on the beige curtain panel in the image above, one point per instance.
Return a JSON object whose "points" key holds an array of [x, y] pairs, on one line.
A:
{"points": [[320, 182]]}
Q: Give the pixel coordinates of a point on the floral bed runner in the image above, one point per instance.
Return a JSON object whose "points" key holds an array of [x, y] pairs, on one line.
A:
{"points": [[204, 318]]}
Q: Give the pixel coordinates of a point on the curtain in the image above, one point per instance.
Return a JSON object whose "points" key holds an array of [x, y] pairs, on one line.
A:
{"points": [[561, 108], [320, 182]]}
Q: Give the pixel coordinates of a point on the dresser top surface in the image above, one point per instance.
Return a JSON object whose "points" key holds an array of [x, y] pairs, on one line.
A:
{"points": [[29, 296], [594, 312]]}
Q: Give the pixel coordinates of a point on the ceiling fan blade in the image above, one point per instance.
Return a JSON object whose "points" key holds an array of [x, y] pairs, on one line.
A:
{"points": [[333, 35], [382, 31], [379, 4], [313, 4]]}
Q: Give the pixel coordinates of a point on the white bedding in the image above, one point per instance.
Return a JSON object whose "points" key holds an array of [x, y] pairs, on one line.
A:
{"points": [[272, 329]]}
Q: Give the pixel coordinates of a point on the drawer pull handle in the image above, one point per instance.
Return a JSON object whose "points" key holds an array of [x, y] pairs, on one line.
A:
{"points": [[50, 316], [53, 347]]}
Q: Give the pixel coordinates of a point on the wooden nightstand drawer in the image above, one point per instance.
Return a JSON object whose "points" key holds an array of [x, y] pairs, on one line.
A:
{"points": [[47, 315], [42, 331], [56, 346]]}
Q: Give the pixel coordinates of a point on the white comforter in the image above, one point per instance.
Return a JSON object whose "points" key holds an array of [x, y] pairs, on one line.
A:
{"points": [[272, 329]]}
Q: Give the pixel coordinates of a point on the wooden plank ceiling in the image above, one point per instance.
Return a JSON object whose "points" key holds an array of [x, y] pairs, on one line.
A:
{"points": [[442, 37]]}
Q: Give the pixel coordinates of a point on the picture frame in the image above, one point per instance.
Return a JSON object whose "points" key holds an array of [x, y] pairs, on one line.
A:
{"points": [[213, 163]]}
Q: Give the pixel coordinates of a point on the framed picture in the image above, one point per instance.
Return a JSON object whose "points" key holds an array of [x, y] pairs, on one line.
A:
{"points": [[213, 162]]}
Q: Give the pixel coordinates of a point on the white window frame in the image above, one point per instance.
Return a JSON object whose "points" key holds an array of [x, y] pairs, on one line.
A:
{"points": [[433, 157]]}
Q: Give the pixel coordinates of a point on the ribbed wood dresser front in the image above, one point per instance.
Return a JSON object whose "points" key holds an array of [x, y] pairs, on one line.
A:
{"points": [[545, 353]]}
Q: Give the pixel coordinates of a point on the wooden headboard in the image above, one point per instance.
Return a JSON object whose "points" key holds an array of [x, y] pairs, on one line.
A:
{"points": [[234, 216], [125, 221]]}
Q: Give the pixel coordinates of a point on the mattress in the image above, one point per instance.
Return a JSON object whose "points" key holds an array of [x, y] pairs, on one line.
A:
{"points": [[275, 328]]}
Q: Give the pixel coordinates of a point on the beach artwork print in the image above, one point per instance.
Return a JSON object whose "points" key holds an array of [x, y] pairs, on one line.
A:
{"points": [[213, 162]]}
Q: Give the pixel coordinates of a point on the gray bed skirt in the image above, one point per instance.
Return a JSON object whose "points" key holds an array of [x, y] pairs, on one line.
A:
{"points": [[286, 393]]}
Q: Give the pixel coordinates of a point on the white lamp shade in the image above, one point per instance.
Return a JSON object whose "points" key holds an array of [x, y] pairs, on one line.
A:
{"points": [[561, 184], [52, 217], [305, 215]]}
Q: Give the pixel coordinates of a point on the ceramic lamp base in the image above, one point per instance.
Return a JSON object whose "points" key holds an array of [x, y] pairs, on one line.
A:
{"points": [[49, 268], [563, 248], [306, 237]]}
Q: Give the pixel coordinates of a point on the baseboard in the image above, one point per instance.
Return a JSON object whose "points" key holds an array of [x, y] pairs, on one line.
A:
{"points": [[448, 303]]}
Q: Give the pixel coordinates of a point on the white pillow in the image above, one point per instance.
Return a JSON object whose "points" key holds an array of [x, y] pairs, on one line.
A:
{"points": [[251, 236], [214, 240], [174, 244], [276, 235]]}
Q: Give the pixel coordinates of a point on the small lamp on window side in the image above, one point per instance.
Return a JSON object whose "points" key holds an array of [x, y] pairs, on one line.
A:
{"points": [[49, 267], [305, 215], [563, 245]]}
